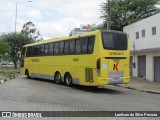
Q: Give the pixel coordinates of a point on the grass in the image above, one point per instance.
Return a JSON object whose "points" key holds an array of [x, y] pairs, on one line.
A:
{"points": [[7, 71]]}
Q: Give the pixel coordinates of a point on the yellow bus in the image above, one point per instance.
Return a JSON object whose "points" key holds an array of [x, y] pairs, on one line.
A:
{"points": [[95, 58]]}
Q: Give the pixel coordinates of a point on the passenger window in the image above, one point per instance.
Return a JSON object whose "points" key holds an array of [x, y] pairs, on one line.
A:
{"points": [[91, 44], [78, 46], [34, 50], [84, 44], [38, 50], [66, 47], [51, 48], [29, 51], [41, 49], [72, 46], [56, 48], [46, 49], [61, 47]]}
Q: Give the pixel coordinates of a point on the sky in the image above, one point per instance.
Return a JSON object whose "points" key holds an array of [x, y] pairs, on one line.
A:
{"points": [[53, 18]]}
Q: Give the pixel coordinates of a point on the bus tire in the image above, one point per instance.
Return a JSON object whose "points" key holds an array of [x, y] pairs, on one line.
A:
{"points": [[68, 79], [27, 73], [57, 78]]}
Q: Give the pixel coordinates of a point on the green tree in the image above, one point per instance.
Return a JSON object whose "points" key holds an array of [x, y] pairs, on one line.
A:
{"points": [[4, 47], [125, 12], [30, 30], [15, 41]]}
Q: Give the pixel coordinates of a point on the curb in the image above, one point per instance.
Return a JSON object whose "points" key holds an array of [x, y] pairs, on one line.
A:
{"points": [[2, 81], [132, 88]]}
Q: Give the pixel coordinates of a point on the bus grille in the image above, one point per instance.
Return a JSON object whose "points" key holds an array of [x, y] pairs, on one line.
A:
{"points": [[89, 74]]}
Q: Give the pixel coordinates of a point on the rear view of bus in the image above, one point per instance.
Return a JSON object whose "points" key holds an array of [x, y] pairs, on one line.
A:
{"points": [[113, 61]]}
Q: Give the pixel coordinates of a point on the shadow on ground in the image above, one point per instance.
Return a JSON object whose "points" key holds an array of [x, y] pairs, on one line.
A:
{"points": [[92, 89]]}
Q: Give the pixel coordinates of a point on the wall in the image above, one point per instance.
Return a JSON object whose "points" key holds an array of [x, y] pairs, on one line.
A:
{"points": [[149, 64], [149, 41]]}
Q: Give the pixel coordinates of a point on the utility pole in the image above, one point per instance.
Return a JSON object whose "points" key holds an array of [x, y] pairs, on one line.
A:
{"points": [[109, 15], [16, 19]]}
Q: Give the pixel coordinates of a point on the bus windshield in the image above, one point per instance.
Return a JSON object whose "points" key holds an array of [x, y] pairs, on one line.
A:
{"points": [[113, 40]]}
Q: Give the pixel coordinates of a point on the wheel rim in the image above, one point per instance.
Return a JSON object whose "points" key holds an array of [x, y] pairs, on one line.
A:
{"points": [[58, 78], [68, 80]]}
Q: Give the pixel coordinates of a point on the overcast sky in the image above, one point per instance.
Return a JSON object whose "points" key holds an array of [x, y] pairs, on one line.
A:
{"points": [[53, 18]]}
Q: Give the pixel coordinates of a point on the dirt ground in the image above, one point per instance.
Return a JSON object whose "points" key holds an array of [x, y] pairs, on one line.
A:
{"points": [[7, 71]]}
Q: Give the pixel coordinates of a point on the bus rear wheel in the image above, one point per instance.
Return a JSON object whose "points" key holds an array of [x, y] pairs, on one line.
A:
{"points": [[68, 79], [57, 78]]}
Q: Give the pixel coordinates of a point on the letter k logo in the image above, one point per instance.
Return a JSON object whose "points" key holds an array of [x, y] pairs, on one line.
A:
{"points": [[115, 67]]}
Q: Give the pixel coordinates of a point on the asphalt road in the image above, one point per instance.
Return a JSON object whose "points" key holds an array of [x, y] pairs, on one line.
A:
{"points": [[22, 94]]}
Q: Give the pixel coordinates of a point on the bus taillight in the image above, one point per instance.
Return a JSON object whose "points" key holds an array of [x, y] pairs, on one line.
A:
{"points": [[98, 66]]}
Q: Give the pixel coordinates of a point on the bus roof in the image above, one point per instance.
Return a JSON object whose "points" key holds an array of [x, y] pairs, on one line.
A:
{"points": [[62, 38]]}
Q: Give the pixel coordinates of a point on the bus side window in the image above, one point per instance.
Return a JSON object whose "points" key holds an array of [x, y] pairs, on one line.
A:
{"points": [[46, 49], [78, 46], [66, 47], [84, 44], [27, 54], [72, 46], [38, 50], [29, 51], [56, 48], [34, 50], [91, 44], [61, 47], [41, 49], [50, 52]]}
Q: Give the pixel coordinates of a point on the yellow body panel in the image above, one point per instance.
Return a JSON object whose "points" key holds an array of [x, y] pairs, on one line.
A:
{"points": [[77, 65]]}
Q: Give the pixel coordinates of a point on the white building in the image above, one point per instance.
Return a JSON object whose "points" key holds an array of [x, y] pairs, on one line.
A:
{"points": [[77, 31], [145, 48]]}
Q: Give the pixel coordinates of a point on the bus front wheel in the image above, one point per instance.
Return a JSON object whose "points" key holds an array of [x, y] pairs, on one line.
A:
{"points": [[68, 79], [27, 73], [57, 78]]}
